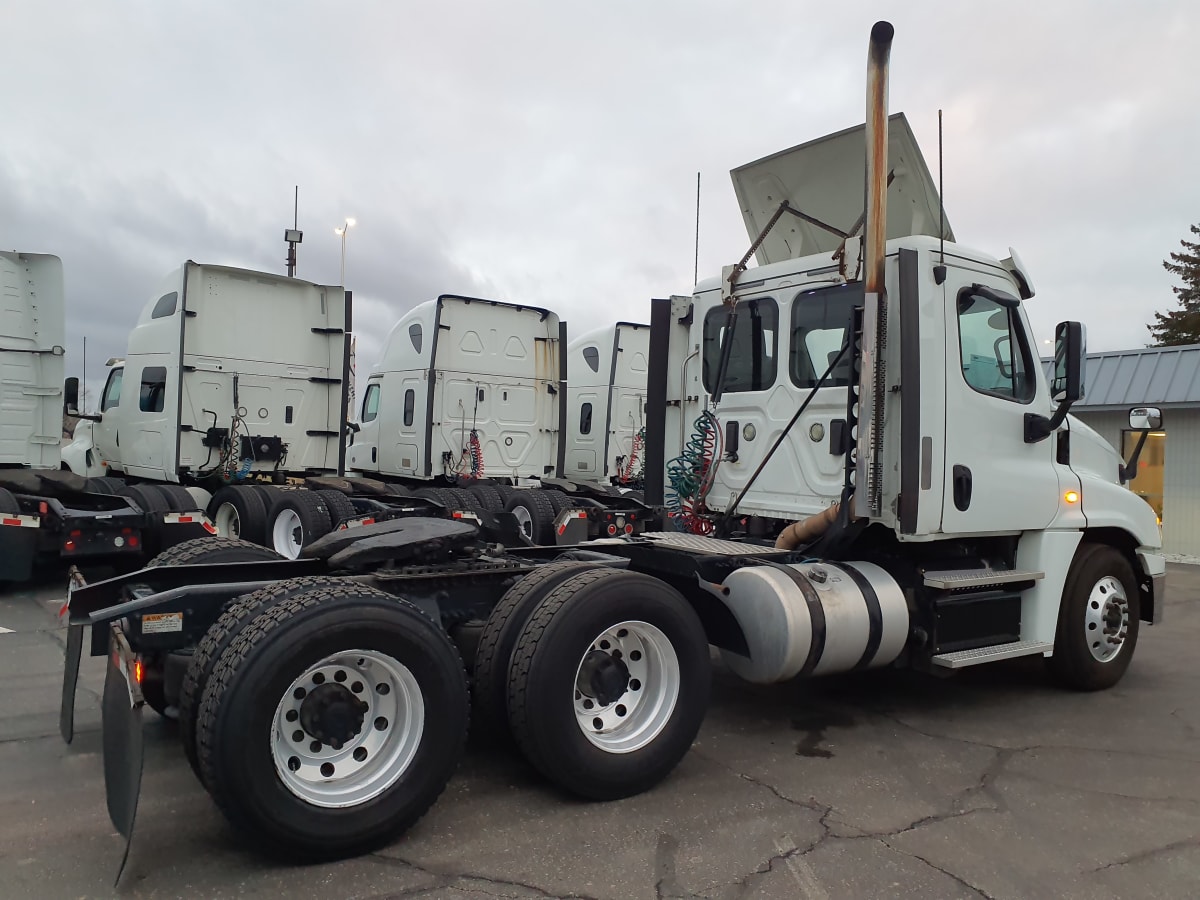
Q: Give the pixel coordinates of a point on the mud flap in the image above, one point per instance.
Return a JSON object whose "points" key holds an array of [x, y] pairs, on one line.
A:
{"points": [[123, 743], [66, 714], [74, 652]]}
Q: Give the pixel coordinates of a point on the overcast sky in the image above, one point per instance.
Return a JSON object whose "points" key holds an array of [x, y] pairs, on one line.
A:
{"points": [[546, 152]]}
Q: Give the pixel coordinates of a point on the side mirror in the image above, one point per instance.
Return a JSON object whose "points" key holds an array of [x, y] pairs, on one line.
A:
{"points": [[1145, 418], [1070, 354], [71, 397]]}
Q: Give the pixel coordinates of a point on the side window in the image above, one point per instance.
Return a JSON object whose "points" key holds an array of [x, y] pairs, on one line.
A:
{"points": [[414, 335], [370, 407], [112, 390], [819, 322], [995, 353], [153, 389], [591, 356], [585, 419], [753, 357], [165, 306], [410, 403]]}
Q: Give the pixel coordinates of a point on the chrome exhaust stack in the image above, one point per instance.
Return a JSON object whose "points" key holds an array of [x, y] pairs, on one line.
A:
{"points": [[867, 501]]}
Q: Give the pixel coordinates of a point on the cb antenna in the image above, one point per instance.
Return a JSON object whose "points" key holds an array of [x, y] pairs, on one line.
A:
{"points": [[939, 271], [696, 264]]}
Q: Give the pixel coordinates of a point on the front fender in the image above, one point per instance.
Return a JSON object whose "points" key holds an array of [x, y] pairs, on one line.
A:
{"points": [[80, 455]]}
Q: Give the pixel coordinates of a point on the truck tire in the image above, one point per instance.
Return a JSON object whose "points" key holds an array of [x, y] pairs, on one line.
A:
{"points": [[268, 493], [8, 503], [488, 495], [332, 722], [232, 621], [298, 518], [440, 496], [558, 500], [213, 550], [178, 497], [340, 507], [397, 490], [506, 491], [1097, 621], [103, 486], [144, 495], [535, 515], [636, 655], [465, 500], [200, 550], [237, 511], [489, 687]]}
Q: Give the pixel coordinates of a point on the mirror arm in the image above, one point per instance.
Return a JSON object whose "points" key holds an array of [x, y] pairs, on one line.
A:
{"points": [[1129, 470], [1038, 427]]}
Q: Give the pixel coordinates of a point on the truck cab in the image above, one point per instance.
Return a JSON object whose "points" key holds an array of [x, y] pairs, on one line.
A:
{"points": [[465, 386], [606, 403], [197, 397]]}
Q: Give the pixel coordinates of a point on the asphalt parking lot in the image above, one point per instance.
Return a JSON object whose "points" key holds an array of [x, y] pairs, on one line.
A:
{"points": [[993, 784]]}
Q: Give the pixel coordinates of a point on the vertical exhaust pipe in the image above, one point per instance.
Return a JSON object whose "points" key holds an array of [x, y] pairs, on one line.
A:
{"points": [[877, 153], [868, 474]]}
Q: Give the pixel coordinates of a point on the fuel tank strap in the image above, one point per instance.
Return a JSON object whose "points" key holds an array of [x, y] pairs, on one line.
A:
{"points": [[874, 613]]}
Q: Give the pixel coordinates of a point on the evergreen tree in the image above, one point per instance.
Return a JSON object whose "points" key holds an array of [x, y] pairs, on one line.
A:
{"points": [[1181, 326]]}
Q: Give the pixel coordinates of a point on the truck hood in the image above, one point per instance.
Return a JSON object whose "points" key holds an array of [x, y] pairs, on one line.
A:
{"points": [[824, 179], [1106, 502]]}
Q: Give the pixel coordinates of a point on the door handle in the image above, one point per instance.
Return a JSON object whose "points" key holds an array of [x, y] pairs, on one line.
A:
{"points": [[731, 441], [962, 488]]}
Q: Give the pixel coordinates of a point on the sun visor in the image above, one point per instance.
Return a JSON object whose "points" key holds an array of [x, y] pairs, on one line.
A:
{"points": [[825, 180]]}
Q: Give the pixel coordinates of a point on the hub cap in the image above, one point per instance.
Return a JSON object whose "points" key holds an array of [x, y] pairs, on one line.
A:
{"points": [[287, 534], [626, 687], [1106, 622], [347, 728]]}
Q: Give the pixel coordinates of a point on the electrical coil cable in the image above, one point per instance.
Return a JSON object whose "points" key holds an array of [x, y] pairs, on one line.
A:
{"points": [[692, 475], [635, 456]]}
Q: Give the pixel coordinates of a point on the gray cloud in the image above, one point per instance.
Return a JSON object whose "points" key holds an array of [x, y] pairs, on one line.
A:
{"points": [[546, 152]]}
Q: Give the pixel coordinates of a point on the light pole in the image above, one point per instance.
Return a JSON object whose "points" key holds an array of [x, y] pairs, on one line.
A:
{"points": [[341, 232]]}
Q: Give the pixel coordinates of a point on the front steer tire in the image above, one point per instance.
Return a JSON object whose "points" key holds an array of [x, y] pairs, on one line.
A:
{"points": [[254, 683], [1100, 579], [571, 626]]}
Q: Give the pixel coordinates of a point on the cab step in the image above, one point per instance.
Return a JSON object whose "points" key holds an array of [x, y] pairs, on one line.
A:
{"points": [[960, 659], [958, 579]]}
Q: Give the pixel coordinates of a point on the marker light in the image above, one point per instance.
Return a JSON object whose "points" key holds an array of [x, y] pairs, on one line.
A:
{"points": [[1071, 496], [137, 671]]}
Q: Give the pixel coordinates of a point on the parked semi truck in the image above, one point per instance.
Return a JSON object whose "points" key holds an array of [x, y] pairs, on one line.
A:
{"points": [[466, 406], [47, 514], [606, 404], [325, 701]]}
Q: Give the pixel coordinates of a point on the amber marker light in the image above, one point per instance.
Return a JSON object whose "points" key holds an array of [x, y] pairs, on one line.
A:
{"points": [[1071, 496], [137, 671]]}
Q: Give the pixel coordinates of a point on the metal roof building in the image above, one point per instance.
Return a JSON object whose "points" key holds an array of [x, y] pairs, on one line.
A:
{"points": [[1169, 467]]}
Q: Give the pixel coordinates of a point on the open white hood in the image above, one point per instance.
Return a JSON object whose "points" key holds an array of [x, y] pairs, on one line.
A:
{"points": [[826, 179]]}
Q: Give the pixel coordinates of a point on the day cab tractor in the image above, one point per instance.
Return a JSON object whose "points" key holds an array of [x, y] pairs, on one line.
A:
{"points": [[873, 470]]}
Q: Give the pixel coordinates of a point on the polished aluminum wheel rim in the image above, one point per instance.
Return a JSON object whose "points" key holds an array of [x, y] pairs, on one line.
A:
{"points": [[635, 718], [369, 762], [1106, 621]]}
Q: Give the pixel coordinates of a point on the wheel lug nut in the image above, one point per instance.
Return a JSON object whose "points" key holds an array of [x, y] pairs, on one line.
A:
{"points": [[315, 746]]}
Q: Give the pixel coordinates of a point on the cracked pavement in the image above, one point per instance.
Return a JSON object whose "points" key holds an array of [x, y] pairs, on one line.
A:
{"points": [[992, 784]]}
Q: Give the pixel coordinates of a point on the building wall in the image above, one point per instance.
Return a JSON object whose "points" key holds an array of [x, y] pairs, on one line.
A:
{"points": [[1181, 487]]}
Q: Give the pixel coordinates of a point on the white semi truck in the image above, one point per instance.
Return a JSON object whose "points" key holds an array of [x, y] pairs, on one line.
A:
{"points": [[466, 407], [963, 518], [46, 514], [233, 379], [606, 404]]}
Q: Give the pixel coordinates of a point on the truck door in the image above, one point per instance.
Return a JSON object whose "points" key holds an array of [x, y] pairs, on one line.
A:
{"points": [[148, 417], [363, 454], [106, 434], [994, 481]]}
